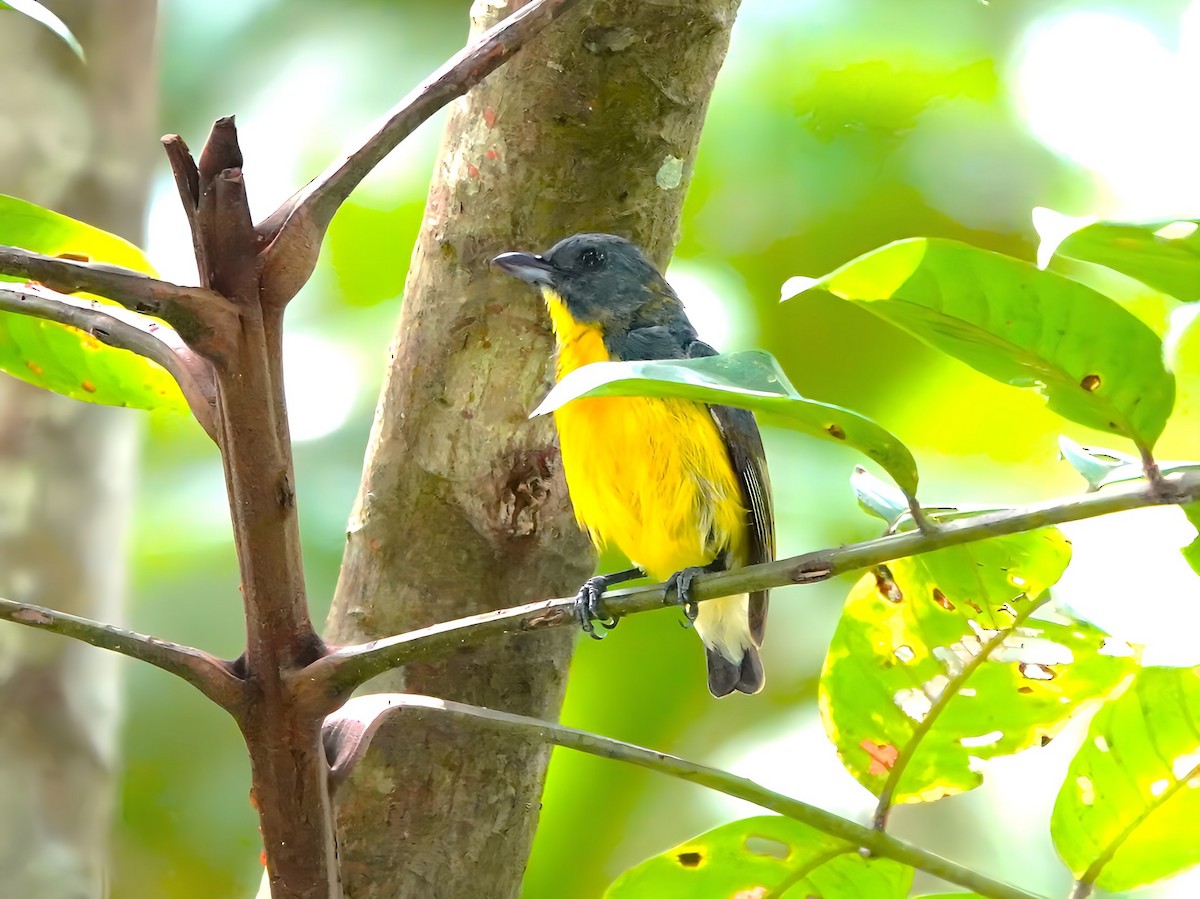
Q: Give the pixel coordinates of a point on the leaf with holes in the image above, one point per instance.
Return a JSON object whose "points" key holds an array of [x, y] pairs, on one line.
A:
{"points": [[750, 380], [936, 662], [39, 13], [750, 858], [1094, 361], [63, 359], [1127, 810], [1164, 255]]}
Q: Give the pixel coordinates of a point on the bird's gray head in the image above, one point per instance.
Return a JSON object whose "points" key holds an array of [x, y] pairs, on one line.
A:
{"points": [[602, 279]]}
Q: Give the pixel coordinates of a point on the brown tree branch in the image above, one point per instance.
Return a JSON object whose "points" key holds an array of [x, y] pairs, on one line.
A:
{"points": [[375, 707], [193, 311], [346, 668], [125, 330], [295, 230], [208, 674]]}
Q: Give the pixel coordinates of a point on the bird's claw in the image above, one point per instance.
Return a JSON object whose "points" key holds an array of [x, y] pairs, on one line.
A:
{"points": [[588, 607], [681, 583]]}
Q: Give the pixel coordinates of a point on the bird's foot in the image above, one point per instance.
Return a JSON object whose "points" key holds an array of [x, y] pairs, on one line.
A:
{"points": [[589, 601], [588, 607], [680, 583]]}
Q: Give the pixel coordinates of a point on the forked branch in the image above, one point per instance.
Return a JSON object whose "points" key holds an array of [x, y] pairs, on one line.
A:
{"points": [[190, 310], [125, 330], [349, 732]]}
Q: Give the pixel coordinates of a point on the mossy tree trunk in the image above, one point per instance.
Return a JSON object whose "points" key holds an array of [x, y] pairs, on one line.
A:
{"points": [[462, 506]]}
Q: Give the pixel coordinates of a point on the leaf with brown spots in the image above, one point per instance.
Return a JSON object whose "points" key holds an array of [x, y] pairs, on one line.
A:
{"points": [[1095, 362], [761, 856], [913, 691]]}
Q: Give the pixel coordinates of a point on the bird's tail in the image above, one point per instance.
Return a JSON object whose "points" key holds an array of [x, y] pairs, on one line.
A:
{"points": [[733, 661], [725, 676]]}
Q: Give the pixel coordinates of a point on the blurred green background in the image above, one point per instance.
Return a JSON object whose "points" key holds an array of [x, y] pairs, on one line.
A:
{"points": [[837, 126]]}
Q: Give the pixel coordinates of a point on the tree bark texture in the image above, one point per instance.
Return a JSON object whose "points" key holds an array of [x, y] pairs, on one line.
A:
{"points": [[79, 140], [462, 506]]}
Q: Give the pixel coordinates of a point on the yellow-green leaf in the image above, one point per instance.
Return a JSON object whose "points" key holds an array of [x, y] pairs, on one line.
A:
{"points": [[63, 359], [750, 380], [936, 661], [750, 858], [1127, 811], [1094, 361]]}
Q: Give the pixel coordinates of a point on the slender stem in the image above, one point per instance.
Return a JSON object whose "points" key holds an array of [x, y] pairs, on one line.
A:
{"points": [[1081, 890], [188, 309], [125, 330], [322, 197], [949, 692], [208, 674], [859, 836], [338, 673]]}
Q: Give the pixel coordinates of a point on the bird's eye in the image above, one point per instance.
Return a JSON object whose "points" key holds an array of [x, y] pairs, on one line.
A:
{"points": [[591, 258]]}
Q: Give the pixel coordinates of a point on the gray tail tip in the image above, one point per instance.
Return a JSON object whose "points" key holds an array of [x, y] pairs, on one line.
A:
{"points": [[725, 676]]}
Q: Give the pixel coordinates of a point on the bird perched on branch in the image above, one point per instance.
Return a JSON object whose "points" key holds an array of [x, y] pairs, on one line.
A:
{"points": [[679, 486]]}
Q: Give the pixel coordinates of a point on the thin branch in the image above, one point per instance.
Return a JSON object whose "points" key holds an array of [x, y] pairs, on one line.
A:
{"points": [[877, 843], [208, 674], [188, 309], [338, 673], [125, 330], [297, 228]]}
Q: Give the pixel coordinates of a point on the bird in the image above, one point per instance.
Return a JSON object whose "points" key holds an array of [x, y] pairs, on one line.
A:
{"points": [[679, 486]]}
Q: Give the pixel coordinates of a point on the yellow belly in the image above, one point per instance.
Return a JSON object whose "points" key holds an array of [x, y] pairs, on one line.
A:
{"points": [[652, 477]]}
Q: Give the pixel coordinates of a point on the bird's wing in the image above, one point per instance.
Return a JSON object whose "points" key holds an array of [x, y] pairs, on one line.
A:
{"points": [[739, 431]]}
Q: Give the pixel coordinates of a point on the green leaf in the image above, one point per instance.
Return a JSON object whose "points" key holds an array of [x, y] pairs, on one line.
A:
{"points": [[39, 13], [63, 359], [749, 858], [878, 497], [1191, 552], [936, 661], [1164, 255], [1094, 361], [1096, 463], [1128, 808], [750, 380]]}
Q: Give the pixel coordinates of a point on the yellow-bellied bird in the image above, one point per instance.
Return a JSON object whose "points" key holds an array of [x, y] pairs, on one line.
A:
{"points": [[679, 486]]}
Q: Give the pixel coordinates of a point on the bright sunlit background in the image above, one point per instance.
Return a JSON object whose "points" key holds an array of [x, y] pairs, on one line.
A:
{"points": [[837, 126]]}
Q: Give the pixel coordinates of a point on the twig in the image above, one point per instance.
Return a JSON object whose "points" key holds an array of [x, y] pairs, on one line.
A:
{"points": [[346, 668], [184, 307], [878, 843], [297, 227], [208, 674], [125, 330]]}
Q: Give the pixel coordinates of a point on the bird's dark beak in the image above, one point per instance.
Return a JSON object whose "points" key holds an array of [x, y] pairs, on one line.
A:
{"points": [[526, 266]]}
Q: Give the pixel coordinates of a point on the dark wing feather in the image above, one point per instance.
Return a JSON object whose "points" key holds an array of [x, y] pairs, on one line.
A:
{"points": [[740, 433]]}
